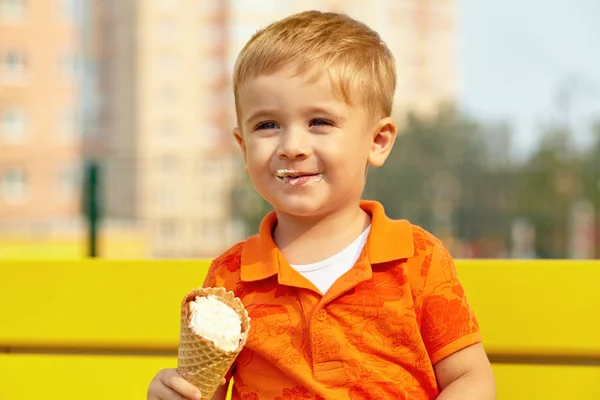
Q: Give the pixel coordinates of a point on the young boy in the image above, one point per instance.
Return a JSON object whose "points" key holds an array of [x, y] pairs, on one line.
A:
{"points": [[345, 302]]}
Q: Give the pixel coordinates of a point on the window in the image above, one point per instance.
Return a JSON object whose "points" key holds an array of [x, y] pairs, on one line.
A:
{"points": [[236, 230], [70, 180], [168, 230], [12, 10], [67, 9], [13, 185], [215, 101], [166, 5], [169, 164], [13, 66], [69, 65], [275, 7], [210, 7], [209, 135], [168, 96], [167, 32], [211, 69], [211, 230], [168, 129], [211, 170], [209, 199], [68, 124], [12, 125], [210, 167], [168, 66], [168, 198], [213, 34]]}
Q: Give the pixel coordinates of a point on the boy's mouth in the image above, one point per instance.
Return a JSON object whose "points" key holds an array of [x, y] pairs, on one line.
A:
{"points": [[298, 178]]}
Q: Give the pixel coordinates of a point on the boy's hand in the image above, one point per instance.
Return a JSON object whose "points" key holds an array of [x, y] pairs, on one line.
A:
{"points": [[169, 385]]}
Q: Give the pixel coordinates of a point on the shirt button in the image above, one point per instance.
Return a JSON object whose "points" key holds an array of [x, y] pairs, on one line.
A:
{"points": [[322, 315]]}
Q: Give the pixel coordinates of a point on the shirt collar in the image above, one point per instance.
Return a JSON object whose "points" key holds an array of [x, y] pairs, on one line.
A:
{"points": [[388, 240]]}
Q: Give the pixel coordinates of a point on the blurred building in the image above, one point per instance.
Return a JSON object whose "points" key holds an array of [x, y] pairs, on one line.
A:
{"points": [[40, 136], [163, 126]]}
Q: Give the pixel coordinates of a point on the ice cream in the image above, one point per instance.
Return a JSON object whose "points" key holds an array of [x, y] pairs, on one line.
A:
{"points": [[216, 321], [214, 329]]}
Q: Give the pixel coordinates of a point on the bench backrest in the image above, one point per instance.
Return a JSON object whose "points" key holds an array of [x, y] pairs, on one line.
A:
{"points": [[101, 329]]}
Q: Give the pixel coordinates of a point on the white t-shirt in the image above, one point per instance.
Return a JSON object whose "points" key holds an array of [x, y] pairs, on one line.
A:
{"points": [[324, 273]]}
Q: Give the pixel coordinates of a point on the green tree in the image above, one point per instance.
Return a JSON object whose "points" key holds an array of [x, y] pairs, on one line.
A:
{"points": [[248, 206], [431, 171], [547, 186], [591, 178]]}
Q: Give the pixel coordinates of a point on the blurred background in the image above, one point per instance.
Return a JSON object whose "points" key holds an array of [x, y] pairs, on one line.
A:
{"points": [[116, 120]]}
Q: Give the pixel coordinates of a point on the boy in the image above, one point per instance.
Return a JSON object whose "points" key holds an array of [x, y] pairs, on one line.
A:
{"points": [[345, 303]]}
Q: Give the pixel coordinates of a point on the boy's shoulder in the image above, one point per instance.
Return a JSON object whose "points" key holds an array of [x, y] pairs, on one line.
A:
{"points": [[423, 239], [231, 259], [225, 269]]}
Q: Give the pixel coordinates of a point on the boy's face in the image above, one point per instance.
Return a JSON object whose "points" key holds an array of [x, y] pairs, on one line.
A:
{"points": [[305, 149]]}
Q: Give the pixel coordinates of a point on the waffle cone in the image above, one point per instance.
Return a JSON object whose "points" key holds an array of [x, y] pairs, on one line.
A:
{"points": [[199, 361]]}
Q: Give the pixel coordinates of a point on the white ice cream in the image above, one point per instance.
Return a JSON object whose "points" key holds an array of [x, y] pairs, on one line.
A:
{"points": [[216, 321]]}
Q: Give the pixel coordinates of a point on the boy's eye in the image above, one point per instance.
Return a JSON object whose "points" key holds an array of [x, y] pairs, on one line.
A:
{"points": [[318, 122], [266, 125]]}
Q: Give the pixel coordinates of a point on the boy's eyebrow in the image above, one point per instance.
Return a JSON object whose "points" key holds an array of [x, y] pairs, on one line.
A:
{"points": [[260, 114], [323, 110]]}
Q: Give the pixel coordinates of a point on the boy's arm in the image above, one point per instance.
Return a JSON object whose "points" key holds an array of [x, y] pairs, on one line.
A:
{"points": [[451, 333], [466, 375]]}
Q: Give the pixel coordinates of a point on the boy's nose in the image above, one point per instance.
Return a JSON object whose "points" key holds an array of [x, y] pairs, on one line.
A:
{"points": [[294, 145]]}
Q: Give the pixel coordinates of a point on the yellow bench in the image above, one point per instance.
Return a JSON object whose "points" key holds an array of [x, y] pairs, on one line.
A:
{"points": [[101, 329]]}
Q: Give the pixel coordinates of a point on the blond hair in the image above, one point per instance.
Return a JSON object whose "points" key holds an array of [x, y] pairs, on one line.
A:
{"points": [[360, 65]]}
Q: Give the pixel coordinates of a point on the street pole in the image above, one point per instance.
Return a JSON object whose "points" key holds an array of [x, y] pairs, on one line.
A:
{"points": [[92, 207]]}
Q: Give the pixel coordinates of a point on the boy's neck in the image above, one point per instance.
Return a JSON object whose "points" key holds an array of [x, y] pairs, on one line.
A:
{"points": [[305, 240]]}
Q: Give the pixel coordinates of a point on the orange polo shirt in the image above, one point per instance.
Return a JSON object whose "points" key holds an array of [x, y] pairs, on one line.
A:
{"points": [[376, 333]]}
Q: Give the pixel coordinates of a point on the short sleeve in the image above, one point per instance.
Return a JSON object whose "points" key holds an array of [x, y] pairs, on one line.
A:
{"points": [[224, 270], [447, 321]]}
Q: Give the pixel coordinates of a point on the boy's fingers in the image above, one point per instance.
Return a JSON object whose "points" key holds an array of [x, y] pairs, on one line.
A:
{"points": [[166, 393], [178, 384]]}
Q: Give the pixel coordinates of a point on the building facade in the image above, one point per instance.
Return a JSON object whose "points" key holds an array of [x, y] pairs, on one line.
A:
{"points": [[163, 122], [40, 133]]}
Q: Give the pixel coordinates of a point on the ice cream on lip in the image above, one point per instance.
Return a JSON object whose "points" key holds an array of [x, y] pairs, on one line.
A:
{"points": [[294, 177]]}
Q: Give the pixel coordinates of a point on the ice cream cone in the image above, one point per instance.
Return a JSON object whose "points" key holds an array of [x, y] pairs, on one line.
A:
{"points": [[200, 361]]}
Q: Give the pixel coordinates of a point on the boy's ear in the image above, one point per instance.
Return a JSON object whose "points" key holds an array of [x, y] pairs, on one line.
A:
{"points": [[384, 136], [239, 138]]}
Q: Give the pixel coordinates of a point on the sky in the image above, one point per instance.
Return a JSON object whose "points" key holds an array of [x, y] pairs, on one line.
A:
{"points": [[517, 55]]}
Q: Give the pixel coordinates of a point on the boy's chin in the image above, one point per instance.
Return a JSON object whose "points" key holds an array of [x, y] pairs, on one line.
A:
{"points": [[306, 208], [299, 207]]}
